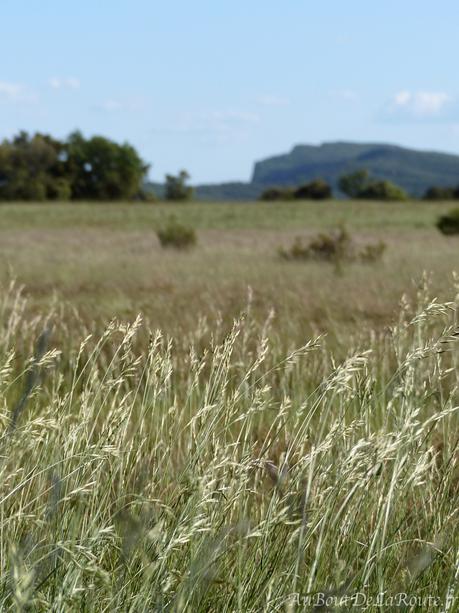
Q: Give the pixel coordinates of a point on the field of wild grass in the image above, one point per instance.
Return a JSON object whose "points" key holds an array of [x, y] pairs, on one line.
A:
{"points": [[105, 260], [223, 429], [225, 470]]}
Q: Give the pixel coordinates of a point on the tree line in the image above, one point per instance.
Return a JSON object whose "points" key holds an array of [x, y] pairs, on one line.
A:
{"points": [[358, 185], [39, 167]]}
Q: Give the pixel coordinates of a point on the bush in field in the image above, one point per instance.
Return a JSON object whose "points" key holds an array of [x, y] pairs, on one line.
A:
{"points": [[315, 190], [383, 190], [145, 195], [354, 183], [337, 247], [176, 187], [359, 185], [273, 194], [440, 193], [372, 252], [177, 235], [449, 224]]}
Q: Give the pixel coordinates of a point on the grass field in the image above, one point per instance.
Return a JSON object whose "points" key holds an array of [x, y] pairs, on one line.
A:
{"points": [[215, 455], [105, 260]]}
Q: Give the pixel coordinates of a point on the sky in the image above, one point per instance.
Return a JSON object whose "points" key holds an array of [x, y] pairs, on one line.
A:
{"points": [[211, 86]]}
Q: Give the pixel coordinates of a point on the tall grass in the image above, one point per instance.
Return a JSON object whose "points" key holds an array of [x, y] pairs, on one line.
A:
{"points": [[225, 472]]}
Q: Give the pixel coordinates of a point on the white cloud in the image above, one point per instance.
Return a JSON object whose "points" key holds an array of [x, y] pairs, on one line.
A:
{"points": [[349, 95], [420, 104], [16, 92], [64, 83], [213, 127], [402, 98], [113, 105], [272, 100], [231, 117]]}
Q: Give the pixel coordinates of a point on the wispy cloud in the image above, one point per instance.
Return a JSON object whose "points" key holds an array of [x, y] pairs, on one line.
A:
{"points": [[424, 105], [64, 83], [273, 100], [223, 121], [348, 95], [114, 105], [16, 92], [228, 118], [215, 127]]}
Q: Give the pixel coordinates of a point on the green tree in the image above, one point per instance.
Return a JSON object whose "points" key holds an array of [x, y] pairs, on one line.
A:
{"points": [[40, 167], [354, 183], [383, 190], [100, 169], [315, 190], [276, 193], [440, 193], [28, 167], [359, 185], [177, 188]]}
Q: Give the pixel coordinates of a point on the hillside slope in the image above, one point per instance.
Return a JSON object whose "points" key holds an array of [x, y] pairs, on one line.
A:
{"points": [[413, 170]]}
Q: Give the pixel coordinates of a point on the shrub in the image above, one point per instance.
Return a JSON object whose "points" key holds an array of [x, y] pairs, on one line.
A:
{"points": [[336, 246], [440, 193], [383, 190], [332, 246], [276, 193], [354, 183], [176, 235], [449, 224], [145, 195], [60, 189], [315, 190], [359, 185], [372, 252], [176, 187]]}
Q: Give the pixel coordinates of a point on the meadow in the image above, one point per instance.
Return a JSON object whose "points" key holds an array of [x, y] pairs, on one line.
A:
{"points": [[220, 429], [105, 260]]}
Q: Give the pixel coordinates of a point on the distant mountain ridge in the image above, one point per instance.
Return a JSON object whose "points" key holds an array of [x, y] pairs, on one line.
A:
{"points": [[412, 169]]}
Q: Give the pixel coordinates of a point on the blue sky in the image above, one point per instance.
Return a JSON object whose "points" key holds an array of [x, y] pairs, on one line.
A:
{"points": [[213, 85]]}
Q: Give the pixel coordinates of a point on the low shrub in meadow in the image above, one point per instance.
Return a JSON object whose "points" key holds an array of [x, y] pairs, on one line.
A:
{"points": [[336, 247], [176, 235], [449, 224]]}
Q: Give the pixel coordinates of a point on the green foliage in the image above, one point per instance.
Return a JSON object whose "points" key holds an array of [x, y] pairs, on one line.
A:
{"points": [[42, 168], [176, 187], [359, 185], [354, 183], [177, 235], [60, 189], [146, 195], [337, 247], [383, 190], [449, 224], [315, 190], [29, 167], [101, 169], [276, 193], [441, 193], [329, 247]]}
